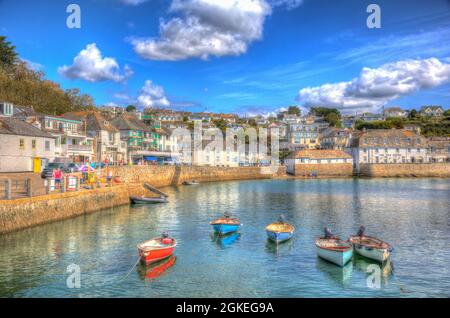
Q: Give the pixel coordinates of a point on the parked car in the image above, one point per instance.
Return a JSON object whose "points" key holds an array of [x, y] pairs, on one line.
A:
{"points": [[71, 168], [48, 170]]}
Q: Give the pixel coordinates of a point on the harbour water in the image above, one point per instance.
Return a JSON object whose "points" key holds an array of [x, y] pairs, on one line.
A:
{"points": [[411, 214]]}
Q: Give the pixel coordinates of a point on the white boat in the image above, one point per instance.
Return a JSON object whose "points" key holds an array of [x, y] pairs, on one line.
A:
{"points": [[334, 250], [371, 247]]}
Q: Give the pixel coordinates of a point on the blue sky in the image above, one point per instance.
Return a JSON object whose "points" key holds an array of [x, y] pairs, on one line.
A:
{"points": [[256, 56]]}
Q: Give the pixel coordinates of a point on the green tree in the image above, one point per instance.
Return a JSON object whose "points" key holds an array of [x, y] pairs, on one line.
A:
{"points": [[294, 110], [221, 124], [8, 55], [413, 114], [131, 108]]}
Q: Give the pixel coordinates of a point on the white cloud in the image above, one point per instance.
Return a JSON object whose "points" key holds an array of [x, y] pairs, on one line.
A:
{"points": [[133, 2], [89, 65], [374, 87], [205, 28], [152, 96], [290, 4]]}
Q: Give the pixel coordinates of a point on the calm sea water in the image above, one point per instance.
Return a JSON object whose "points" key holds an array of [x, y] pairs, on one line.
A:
{"points": [[412, 215]]}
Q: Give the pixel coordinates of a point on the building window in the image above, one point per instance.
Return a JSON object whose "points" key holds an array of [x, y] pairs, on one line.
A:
{"points": [[22, 144], [33, 144], [47, 145]]}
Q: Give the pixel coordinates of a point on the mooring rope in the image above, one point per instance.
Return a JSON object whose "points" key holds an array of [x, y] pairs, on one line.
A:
{"points": [[129, 271]]}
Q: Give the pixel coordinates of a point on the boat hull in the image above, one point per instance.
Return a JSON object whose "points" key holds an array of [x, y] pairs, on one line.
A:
{"points": [[153, 256], [138, 200], [377, 254], [156, 250], [339, 258], [225, 228], [279, 237]]}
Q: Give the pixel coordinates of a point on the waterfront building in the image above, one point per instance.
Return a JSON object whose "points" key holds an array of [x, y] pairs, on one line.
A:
{"points": [[336, 139], [395, 112], [107, 143], [319, 162], [388, 146], [138, 136], [221, 156], [432, 111], [23, 147], [439, 149], [72, 143]]}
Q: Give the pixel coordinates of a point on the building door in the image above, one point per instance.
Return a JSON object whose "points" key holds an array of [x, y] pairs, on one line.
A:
{"points": [[37, 165]]}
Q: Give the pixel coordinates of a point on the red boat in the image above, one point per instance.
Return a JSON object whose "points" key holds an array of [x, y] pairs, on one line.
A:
{"points": [[156, 249]]}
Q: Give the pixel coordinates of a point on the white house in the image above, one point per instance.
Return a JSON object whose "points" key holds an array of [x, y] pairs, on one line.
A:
{"points": [[388, 146], [23, 147]]}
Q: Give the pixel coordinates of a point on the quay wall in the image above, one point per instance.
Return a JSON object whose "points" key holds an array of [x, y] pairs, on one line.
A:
{"points": [[325, 170], [161, 176], [26, 212], [417, 170]]}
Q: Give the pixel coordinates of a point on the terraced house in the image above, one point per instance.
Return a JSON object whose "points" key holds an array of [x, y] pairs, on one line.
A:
{"points": [[390, 146], [140, 138], [108, 145], [72, 143]]}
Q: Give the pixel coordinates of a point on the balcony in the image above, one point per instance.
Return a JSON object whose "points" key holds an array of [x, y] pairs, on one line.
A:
{"points": [[83, 148]]}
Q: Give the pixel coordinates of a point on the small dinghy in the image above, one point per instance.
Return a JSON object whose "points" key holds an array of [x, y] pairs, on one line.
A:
{"points": [[280, 231], [156, 249], [144, 200], [226, 224], [370, 247], [193, 182], [333, 249]]}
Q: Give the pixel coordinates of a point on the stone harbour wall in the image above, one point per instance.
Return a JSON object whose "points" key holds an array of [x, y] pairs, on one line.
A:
{"points": [[26, 212], [325, 170], [405, 170]]}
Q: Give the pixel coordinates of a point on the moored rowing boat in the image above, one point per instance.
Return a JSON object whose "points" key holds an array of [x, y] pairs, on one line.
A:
{"points": [[370, 247], [334, 250], [280, 231], [156, 249], [226, 224]]}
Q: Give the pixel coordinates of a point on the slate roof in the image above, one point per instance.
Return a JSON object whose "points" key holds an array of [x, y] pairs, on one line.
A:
{"points": [[389, 138], [13, 126], [320, 154], [130, 122]]}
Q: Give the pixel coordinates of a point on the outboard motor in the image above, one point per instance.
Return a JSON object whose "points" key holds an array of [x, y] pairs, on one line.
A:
{"points": [[281, 218], [361, 231], [165, 238], [328, 234]]}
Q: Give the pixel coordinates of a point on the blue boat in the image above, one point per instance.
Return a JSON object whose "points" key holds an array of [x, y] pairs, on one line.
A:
{"points": [[280, 231], [226, 224]]}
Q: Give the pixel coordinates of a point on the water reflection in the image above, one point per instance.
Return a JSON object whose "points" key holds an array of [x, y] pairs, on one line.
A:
{"points": [[225, 241], [340, 276], [280, 249], [367, 266], [412, 215], [156, 270]]}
